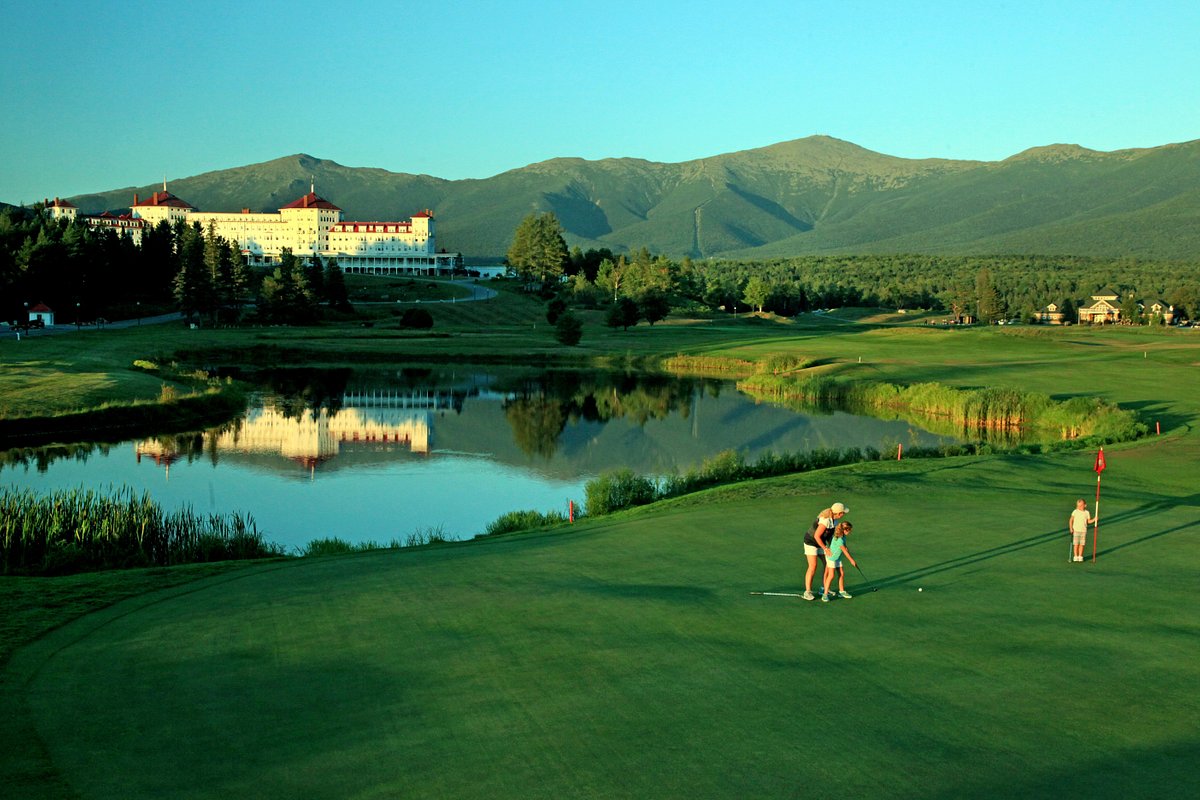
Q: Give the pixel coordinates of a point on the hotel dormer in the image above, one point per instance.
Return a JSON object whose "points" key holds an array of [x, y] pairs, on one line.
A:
{"points": [[160, 206]]}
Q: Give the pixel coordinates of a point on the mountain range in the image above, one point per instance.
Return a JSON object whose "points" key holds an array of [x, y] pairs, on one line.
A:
{"points": [[808, 196]]}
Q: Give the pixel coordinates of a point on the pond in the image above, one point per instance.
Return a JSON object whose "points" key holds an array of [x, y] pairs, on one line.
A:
{"points": [[377, 456]]}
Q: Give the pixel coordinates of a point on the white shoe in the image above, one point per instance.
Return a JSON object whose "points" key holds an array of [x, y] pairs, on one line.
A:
{"points": [[1079, 558], [844, 594], [807, 595]]}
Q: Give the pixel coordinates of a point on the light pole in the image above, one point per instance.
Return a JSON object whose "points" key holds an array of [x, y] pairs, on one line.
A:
{"points": [[77, 316], [139, 312]]}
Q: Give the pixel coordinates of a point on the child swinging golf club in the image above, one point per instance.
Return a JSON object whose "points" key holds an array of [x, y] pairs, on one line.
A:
{"points": [[833, 561]]}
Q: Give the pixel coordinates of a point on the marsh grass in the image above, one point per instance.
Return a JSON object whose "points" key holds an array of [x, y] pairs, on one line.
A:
{"points": [[77, 530], [335, 545], [523, 521], [969, 411]]}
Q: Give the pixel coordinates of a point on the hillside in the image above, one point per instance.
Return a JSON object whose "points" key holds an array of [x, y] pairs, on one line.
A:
{"points": [[812, 195]]}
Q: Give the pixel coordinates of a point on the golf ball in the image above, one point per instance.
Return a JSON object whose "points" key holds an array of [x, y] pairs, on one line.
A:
{"points": [[921, 589]]}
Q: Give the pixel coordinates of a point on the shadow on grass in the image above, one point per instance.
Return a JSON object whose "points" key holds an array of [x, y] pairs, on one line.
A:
{"points": [[1058, 535], [1134, 770], [1151, 411]]}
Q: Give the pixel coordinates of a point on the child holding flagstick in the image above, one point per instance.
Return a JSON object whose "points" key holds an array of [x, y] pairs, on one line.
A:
{"points": [[1077, 524]]}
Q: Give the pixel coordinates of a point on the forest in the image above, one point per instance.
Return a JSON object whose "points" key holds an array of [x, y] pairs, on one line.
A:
{"points": [[87, 274]]}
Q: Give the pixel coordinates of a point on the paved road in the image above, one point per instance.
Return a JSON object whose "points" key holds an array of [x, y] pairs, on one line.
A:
{"points": [[8, 333], [478, 292]]}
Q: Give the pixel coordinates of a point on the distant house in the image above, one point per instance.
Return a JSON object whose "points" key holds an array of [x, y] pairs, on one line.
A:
{"points": [[1050, 315], [1166, 311], [1103, 309], [42, 313]]}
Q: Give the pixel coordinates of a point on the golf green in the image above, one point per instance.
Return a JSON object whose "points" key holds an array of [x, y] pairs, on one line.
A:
{"points": [[626, 657]]}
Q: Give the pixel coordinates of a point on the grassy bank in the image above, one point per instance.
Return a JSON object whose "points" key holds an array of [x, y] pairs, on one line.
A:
{"points": [[117, 421]]}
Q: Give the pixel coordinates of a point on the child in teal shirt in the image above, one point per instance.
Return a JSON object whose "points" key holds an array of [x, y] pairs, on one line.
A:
{"points": [[833, 561]]}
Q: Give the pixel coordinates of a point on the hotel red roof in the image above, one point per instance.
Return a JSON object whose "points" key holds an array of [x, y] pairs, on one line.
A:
{"points": [[42, 308], [163, 198], [57, 203], [311, 200]]}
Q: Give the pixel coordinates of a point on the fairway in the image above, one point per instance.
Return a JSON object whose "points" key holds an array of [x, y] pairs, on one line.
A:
{"points": [[626, 657]]}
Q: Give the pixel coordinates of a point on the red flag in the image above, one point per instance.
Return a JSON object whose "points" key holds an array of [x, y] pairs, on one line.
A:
{"points": [[1099, 462]]}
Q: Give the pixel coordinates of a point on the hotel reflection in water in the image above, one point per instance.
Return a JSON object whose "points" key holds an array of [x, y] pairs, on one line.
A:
{"points": [[384, 420]]}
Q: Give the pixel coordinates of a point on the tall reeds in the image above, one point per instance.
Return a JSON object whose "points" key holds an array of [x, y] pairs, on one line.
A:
{"points": [[76, 530], [970, 411]]}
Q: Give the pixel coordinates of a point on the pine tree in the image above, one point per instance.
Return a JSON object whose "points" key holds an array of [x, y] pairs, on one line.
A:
{"points": [[335, 287], [193, 284]]}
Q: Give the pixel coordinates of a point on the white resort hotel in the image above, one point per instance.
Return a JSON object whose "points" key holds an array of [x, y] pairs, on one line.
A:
{"points": [[308, 226]]}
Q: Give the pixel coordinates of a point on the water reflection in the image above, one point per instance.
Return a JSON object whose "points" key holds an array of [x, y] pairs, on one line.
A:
{"points": [[311, 417], [373, 455]]}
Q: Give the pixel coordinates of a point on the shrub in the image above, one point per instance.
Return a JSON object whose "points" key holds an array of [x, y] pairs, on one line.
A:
{"points": [[523, 521], [555, 309], [149, 366], [431, 534], [568, 329], [613, 491], [331, 546], [417, 318]]}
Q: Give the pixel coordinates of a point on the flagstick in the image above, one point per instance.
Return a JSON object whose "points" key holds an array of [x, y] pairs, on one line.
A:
{"points": [[1096, 528]]}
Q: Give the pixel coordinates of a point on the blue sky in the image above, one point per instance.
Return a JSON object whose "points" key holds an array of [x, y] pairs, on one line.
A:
{"points": [[102, 95]]}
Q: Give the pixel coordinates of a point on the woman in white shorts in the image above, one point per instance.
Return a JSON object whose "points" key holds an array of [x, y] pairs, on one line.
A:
{"points": [[816, 542]]}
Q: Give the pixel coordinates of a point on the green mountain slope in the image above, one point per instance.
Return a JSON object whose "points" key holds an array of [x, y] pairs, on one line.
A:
{"points": [[812, 195]]}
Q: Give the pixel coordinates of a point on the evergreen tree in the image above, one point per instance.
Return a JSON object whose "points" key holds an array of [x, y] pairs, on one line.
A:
{"points": [[1069, 311], [335, 287], [568, 329], [538, 252], [286, 296], [1131, 310], [315, 272], [193, 284], [987, 300], [239, 278]]}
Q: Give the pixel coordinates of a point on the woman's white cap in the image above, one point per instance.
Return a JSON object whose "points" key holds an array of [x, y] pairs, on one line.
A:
{"points": [[838, 508]]}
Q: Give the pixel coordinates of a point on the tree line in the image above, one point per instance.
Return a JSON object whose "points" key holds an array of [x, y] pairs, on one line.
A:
{"points": [[95, 273], [641, 285]]}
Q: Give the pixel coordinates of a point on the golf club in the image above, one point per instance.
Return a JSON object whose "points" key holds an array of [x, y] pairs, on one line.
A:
{"points": [[865, 578], [778, 594]]}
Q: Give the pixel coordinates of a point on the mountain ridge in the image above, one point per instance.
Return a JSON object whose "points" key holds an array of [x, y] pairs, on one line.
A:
{"points": [[817, 194]]}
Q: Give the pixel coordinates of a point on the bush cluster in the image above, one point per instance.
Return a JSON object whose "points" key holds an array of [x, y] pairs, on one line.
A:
{"points": [[523, 521], [613, 491]]}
